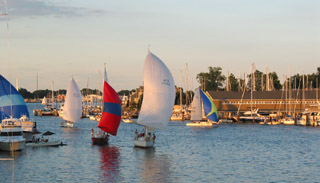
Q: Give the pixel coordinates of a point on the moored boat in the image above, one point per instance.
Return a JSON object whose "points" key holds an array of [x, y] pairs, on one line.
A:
{"points": [[11, 135]]}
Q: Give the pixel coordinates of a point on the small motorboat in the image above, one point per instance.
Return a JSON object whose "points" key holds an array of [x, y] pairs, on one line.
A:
{"points": [[45, 143]]}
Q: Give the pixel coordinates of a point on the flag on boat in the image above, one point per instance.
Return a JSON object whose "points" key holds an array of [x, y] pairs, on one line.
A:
{"points": [[210, 109], [11, 102], [111, 114]]}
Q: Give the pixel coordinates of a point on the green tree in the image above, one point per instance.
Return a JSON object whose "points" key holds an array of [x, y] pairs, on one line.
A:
{"points": [[25, 93], [124, 92], [260, 80], [212, 80], [276, 82], [234, 84]]}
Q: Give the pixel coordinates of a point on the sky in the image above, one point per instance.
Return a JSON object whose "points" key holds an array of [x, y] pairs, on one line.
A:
{"points": [[58, 39]]}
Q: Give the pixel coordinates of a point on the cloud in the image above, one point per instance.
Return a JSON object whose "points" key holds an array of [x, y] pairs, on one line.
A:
{"points": [[36, 8]]}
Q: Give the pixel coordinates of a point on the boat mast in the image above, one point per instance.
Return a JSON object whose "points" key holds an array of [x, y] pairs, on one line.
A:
{"points": [[252, 86], [267, 80], [290, 92], [180, 90], [187, 84], [228, 81], [52, 95]]}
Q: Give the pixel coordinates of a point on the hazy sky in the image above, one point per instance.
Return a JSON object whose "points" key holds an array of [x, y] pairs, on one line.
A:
{"points": [[59, 38]]}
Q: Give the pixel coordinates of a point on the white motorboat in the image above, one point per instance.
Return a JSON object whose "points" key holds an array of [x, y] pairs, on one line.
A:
{"points": [[305, 119], [11, 135]]}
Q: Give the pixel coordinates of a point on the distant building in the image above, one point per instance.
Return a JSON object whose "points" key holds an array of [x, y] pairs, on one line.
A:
{"points": [[135, 96], [93, 99], [267, 101], [124, 100]]}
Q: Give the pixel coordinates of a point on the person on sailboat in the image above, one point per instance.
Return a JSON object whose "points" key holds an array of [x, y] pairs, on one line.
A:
{"points": [[92, 132], [154, 137], [136, 134]]}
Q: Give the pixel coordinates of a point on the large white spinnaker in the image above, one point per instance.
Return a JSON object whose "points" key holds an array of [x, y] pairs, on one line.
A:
{"points": [[159, 94], [72, 109]]}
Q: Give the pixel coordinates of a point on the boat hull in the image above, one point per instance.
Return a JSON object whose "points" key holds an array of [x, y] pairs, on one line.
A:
{"points": [[289, 122], [44, 144], [12, 146], [100, 140], [201, 124], [66, 124], [127, 120], [143, 142]]}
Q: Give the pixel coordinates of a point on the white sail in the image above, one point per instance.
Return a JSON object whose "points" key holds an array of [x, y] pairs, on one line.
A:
{"points": [[72, 109], [159, 94], [196, 110], [44, 101]]}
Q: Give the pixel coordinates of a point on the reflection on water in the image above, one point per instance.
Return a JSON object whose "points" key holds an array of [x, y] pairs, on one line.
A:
{"points": [[7, 162], [110, 163], [154, 167]]}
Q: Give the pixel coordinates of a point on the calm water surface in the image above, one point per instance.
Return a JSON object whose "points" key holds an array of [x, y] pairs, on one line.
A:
{"points": [[229, 153]]}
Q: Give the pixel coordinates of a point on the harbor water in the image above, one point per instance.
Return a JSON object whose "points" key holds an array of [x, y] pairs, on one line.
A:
{"points": [[229, 153]]}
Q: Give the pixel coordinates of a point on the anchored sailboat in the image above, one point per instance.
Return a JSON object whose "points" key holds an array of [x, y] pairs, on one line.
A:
{"points": [[72, 109], [210, 110], [111, 115], [158, 99]]}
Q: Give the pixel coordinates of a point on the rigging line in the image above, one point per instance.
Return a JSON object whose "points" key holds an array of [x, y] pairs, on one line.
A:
{"points": [[9, 48]]}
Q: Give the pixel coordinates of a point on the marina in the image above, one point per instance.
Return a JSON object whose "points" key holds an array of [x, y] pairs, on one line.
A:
{"points": [[229, 153], [136, 123]]}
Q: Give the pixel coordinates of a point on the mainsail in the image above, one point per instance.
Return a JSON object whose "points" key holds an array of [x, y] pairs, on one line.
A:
{"points": [[72, 109], [11, 102], [196, 109], [159, 94], [111, 115], [44, 101], [210, 109]]}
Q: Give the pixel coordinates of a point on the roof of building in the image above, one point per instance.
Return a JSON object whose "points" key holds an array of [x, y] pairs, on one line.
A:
{"points": [[266, 95]]}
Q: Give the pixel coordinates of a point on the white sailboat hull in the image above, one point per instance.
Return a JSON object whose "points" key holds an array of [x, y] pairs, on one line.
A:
{"points": [[66, 124], [144, 142], [201, 124], [12, 146], [126, 120], [288, 122]]}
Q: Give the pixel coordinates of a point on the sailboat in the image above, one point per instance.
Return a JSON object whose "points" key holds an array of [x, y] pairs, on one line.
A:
{"points": [[72, 110], [210, 110], [12, 107], [44, 101], [158, 100], [111, 115]]}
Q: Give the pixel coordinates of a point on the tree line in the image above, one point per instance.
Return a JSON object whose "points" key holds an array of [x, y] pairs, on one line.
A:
{"points": [[214, 80]]}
